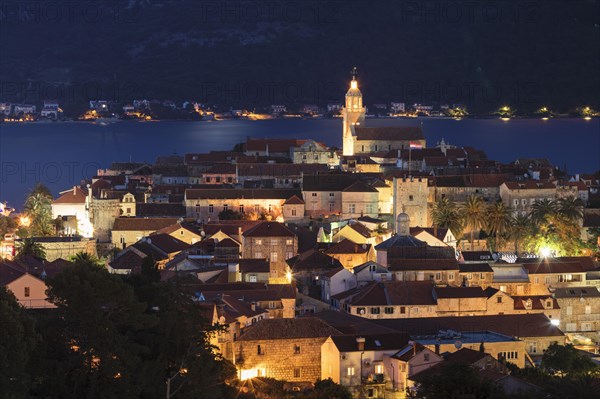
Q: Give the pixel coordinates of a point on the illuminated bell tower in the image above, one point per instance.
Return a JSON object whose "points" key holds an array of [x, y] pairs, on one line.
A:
{"points": [[353, 114]]}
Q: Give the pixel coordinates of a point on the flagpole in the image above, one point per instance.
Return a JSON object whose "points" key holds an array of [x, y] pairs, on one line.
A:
{"points": [[409, 158]]}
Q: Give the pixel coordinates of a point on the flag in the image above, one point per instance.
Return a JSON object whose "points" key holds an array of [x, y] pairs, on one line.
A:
{"points": [[415, 145]]}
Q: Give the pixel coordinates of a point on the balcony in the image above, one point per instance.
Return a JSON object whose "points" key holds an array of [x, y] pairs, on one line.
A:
{"points": [[374, 379]]}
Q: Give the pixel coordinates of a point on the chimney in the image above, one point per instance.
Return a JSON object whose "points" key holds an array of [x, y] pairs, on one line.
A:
{"points": [[437, 349], [253, 306], [360, 342]]}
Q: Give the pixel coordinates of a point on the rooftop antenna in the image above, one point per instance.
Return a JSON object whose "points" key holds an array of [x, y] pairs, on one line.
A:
{"points": [[354, 73]]}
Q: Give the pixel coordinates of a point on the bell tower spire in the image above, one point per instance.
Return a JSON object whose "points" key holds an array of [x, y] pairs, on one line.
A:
{"points": [[353, 114]]}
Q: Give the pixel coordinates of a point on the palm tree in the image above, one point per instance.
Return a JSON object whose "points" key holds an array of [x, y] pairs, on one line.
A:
{"points": [[38, 207], [27, 246], [571, 208], [446, 214], [520, 228], [541, 209], [84, 258], [499, 221], [474, 212]]}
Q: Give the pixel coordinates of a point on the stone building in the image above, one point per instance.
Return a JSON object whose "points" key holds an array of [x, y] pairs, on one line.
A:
{"points": [[579, 311], [520, 196], [273, 241], [410, 197], [359, 199], [127, 231], [284, 349], [314, 152], [358, 139], [66, 247]]}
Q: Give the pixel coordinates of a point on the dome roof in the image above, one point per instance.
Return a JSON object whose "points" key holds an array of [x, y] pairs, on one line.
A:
{"points": [[403, 217], [353, 93]]}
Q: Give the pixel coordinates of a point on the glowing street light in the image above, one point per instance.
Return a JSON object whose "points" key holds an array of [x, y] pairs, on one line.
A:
{"points": [[545, 252], [24, 221]]}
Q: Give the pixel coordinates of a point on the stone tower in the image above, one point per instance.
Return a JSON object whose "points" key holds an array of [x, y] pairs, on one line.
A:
{"points": [[410, 197], [353, 114]]}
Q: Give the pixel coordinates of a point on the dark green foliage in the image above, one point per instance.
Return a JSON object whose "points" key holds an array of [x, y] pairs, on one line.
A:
{"points": [[566, 360], [28, 246], [229, 214], [17, 340]]}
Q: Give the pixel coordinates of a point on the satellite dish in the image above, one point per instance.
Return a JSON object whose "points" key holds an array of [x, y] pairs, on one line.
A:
{"points": [[457, 344], [203, 233], [364, 246]]}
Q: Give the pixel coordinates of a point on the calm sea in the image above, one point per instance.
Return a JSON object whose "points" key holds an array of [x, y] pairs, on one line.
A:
{"points": [[61, 154]]}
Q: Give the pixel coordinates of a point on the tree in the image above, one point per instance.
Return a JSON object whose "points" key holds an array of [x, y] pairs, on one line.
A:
{"points": [[453, 380], [17, 341], [446, 214], [229, 214], [565, 360], [7, 225], [520, 229], [28, 246], [571, 208], [38, 207], [474, 213], [327, 389], [542, 209], [90, 341], [498, 221]]}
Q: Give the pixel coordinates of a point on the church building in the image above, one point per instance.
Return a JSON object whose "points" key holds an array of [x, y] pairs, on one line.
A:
{"points": [[360, 139]]}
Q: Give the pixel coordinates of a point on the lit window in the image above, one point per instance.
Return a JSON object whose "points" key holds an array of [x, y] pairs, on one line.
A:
{"points": [[27, 292], [350, 371]]}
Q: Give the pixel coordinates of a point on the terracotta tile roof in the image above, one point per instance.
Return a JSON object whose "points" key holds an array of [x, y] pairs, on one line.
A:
{"points": [[240, 193], [9, 273], [129, 260], [550, 266], [361, 229], [591, 219], [74, 196], [529, 185], [389, 133], [280, 169], [269, 229], [221, 168], [166, 243], [465, 356], [409, 351], [360, 187], [470, 180], [143, 224], [174, 227], [227, 243], [247, 291], [313, 259], [475, 268], [422, 264], [294, 200], [333, 272], [56, 266], [439, 233], [328, 182], [477, 256], [393, 293], [515, 325], [350, 324], [254, 266], [401, 241], [348, 247], [460, 292], [373, 342], [576, 292], [271, 329], [537, 302]]}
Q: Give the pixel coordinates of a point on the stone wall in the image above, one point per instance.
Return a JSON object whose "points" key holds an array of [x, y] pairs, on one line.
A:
{"points": [[280, 360]]}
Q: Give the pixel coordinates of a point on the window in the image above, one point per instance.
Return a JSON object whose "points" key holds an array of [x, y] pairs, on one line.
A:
{"points": [[230, 180], [289, 254], [451, 276], [548, 280], [331, 206], [470, 276], [252, 278], [218, 179], [586, 326], [242, 208], [296, 349], [499, 299], [289, 241], [351, 208], [225, 206], [370, 392], [332, 194], [569, 310], [350, 371], [207, 179], [257, 208], [379, 369], [296, 373], [369, 208], [536, 280], [293, 212], [272, 304], [314, 194], [375, 310], [27, 292], [388, 310], [416, 310], [438, 276], [426, 357], [273, 256], [259, 350], [532, 347], [402, 310], [258, 242], [258, 255], [410, 197], [588, 310]]}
